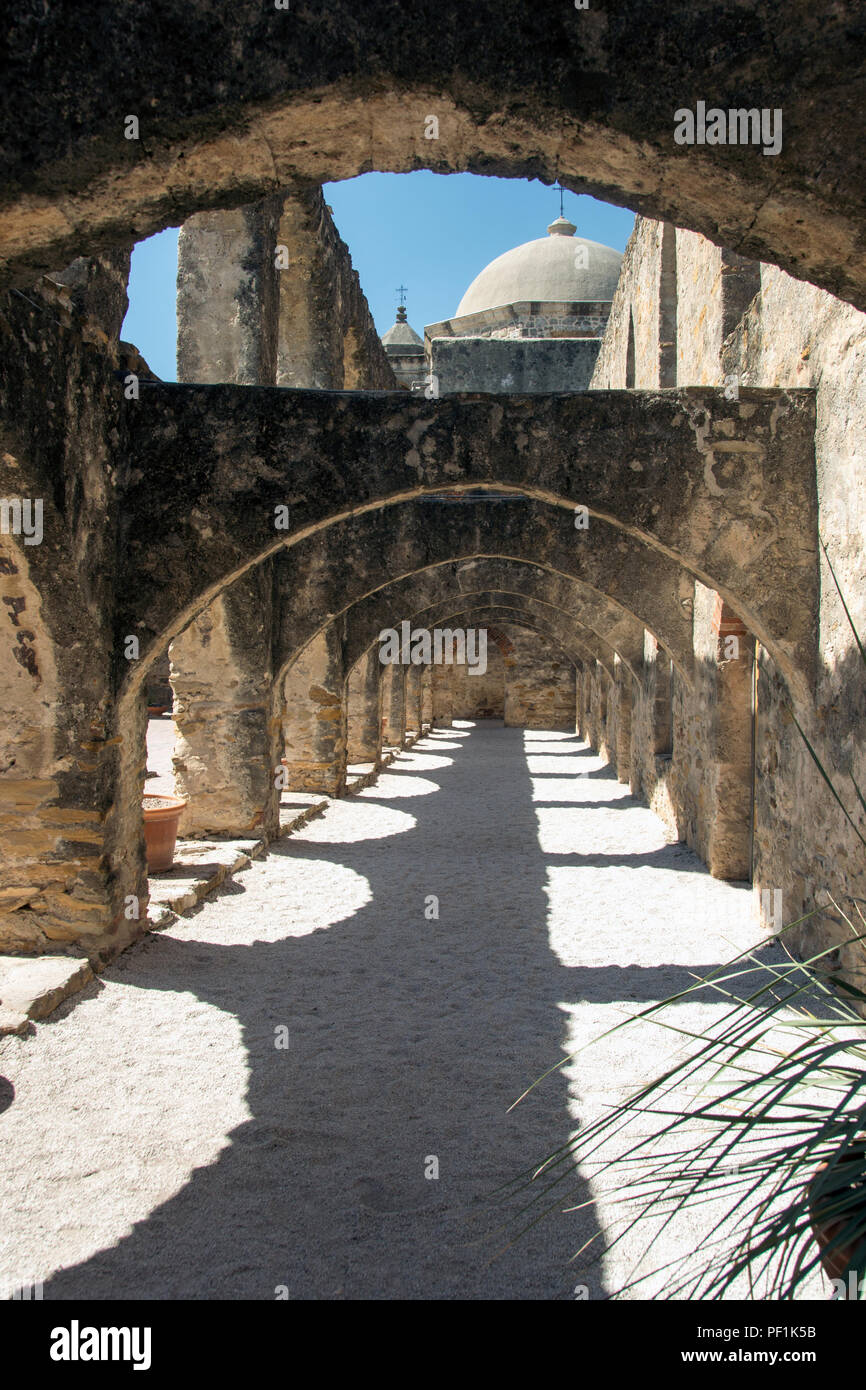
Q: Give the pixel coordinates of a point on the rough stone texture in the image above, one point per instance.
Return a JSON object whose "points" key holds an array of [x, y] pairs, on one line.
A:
{"points": [[524, 366], [710, 781], [788, 333], [239, 103], [478, 695], [314, 716], [266, 296], [32, 989], [413, 700], [714, 483], [394, 706], [228, 295], [443, 701], [326, 336], [633, 329], [98, 289], [61, 422], [540, 684], [227, 746], [575, 614], [427, 698], [364, 709]]}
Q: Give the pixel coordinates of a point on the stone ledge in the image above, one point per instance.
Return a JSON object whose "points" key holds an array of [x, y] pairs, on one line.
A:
{"points": [[199, 868], [202, 865], [361, 775], [32, 987]]}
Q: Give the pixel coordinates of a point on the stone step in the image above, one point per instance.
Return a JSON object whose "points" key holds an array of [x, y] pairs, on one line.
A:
{"points": [[31, 987]]}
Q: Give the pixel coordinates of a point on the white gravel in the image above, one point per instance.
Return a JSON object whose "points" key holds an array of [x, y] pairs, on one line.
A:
{"points": [[160, 1145]]}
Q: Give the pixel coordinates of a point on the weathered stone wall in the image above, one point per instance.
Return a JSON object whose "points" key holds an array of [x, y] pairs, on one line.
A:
{"points": [[226, 748], [528, 683], [267, 296], [326, 335], [539, 683], [523, 365], [243, 101], [97, 291], [634, 313], [70, 848], [791, 334], [394, 706], [700, 315], [314, 716], [796, 333], [227, 295], [480, 695], [364, 709]]}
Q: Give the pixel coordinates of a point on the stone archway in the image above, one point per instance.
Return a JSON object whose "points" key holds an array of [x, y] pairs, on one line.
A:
{"points": [[716, 486], [265, 98]]}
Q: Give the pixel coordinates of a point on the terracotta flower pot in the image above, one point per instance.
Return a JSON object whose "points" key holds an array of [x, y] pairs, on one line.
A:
{"points": [[161, 816], [823, 1194]]}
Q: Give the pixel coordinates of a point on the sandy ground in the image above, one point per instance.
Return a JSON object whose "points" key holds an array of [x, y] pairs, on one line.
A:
{"points": [[160, 742], [162, 1143]]}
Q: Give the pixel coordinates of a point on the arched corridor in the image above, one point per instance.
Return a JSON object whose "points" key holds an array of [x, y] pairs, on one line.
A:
{"points": [[210, 1162], [390, 710]]}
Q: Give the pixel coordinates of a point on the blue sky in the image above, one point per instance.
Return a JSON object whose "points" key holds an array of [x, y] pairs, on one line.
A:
{"points": [[430, 232]]}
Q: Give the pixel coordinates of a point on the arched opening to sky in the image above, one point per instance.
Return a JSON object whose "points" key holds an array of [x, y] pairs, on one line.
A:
{"points": [[431, 233]]}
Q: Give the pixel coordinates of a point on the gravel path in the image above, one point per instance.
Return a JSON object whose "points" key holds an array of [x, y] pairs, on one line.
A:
{"points": [[161, 1145]]}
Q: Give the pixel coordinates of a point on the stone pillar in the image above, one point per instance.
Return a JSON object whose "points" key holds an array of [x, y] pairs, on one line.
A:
{"points": [[364, 709], [58, 773], [427, 696], [729, 831], [625, 700], [442, 696], [413, 699], [394, 706], [72, 873], [314, 719], [226, 746], [227, 296], [326, 336]]}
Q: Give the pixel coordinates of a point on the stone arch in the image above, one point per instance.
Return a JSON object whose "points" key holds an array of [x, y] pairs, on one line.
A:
{"points": [[707, 483], [317, 678], [273, 98], [563, 628], [523, 581]]}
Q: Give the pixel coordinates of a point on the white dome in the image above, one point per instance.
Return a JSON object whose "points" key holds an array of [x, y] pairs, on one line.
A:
{"points": [[559, 268]]}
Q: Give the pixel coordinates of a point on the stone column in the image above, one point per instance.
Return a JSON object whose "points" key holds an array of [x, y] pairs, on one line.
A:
{"points": [[394, 705], [227, 296], [427, 696], [59, 773], [442, 697], [326, 336], [729, 830], [226, 747], [413, 699], [364, 709], [625, 700], [314, 719]]}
